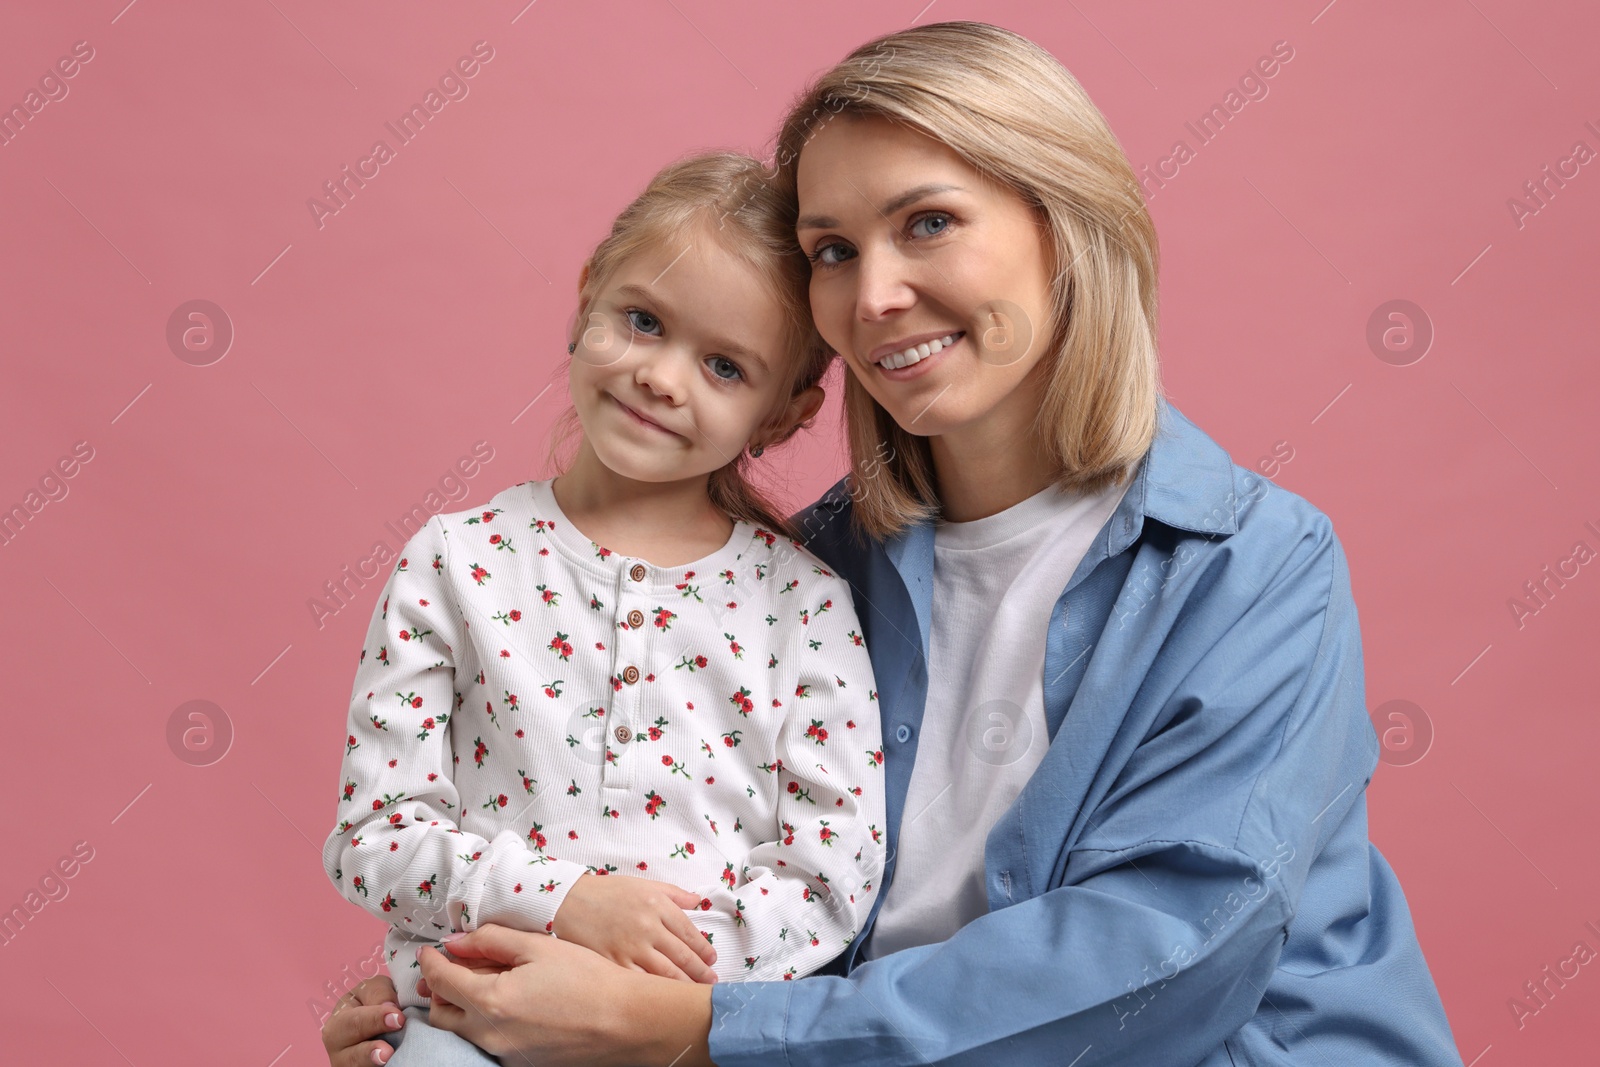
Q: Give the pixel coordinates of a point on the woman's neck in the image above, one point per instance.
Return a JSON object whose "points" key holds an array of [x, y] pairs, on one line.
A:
{"points": [[667, 524], [983, 468]]}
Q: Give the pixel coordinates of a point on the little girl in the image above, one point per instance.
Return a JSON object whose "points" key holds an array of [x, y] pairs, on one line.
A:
{"points": [[624, 706]]}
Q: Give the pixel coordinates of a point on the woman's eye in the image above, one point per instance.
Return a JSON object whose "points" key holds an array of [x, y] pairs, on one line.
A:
{"points": [[933, 225], [718, 363], [831, 254], [643, 321]]}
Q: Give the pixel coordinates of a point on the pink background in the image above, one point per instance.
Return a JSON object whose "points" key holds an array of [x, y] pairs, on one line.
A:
{"points": [[428, 314]]}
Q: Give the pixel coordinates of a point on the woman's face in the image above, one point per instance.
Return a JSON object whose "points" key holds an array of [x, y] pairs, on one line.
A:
{"points": [[915, 254]]}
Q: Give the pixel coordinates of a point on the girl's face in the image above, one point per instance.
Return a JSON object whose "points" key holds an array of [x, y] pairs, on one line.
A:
{"points": [[678, 362], [931, 282]]}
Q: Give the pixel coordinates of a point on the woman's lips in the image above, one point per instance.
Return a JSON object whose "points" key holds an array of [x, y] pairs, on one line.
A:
{"points": [[920, 367]]}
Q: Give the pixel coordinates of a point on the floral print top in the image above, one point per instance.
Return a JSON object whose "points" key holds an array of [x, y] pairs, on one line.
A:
{"points": [[530, 706]]}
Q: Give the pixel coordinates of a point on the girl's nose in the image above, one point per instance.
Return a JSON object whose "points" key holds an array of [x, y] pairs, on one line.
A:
{"points": [[662, 370]]}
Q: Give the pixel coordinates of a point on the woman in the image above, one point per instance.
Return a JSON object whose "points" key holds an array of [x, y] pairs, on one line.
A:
{"points": [[1120, 678]]}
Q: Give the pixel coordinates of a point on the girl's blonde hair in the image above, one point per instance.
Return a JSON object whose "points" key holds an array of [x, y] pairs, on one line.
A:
{"points": [[1014, 113], [727, 197]]}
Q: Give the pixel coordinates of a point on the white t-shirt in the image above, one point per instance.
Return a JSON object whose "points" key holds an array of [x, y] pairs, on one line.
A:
{"points": [[995, 583]]}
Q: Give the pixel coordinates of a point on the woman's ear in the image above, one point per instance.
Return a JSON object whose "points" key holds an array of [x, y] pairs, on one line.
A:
{"points": [[583, 276]]}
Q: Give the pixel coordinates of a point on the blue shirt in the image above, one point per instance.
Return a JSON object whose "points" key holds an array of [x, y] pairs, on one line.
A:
{"points": [[1186, 879]]}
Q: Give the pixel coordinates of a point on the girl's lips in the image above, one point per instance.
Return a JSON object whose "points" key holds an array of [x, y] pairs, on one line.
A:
{"points": [[921, 366], [641, 420]]}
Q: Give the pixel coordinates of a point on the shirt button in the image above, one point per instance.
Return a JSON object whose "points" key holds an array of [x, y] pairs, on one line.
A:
{"points": [[903, 734], [636, 618], [637, 572], [624, 734], [630, 674]]}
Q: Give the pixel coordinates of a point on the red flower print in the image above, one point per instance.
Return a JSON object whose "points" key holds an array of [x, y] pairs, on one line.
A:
{"points": [[653, 804], [560, 646]]}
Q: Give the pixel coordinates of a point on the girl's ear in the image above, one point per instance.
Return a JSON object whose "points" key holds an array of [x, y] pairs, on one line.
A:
{"points": [[799, 413], [583, 275]]}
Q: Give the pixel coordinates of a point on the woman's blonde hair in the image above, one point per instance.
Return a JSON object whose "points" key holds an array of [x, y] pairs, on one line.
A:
{"points": [[729, 198], [1014, 113]]}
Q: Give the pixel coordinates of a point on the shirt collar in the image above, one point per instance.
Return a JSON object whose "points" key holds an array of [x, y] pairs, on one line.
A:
{"points": [[1185, 480]]}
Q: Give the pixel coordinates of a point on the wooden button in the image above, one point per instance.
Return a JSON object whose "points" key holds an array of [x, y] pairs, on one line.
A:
{"points": [[636, 618], [624, 734], [637, 573], [630, 674]]}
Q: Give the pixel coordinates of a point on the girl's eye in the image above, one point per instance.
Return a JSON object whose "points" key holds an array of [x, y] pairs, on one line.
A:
{"points": [[718, 362], [643, 321], [830, 255], [938, 222]]}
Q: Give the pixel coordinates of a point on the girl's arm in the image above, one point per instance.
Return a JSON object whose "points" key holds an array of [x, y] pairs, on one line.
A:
{"points": [[398, 851], [797, 901]]}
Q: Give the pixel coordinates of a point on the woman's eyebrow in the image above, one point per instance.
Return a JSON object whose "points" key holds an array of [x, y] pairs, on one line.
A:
{"points": [[905, 199]]}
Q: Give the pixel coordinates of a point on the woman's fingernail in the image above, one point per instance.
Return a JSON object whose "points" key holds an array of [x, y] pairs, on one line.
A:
{"points": [[454, 935], [419, 951], [392, 1020]]}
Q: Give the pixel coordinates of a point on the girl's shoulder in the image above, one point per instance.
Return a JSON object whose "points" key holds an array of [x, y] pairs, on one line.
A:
{"points": [[776, 565], [518, 501]]}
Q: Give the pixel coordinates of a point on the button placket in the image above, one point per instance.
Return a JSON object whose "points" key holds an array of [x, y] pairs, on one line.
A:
{"points": [[632, 641]]}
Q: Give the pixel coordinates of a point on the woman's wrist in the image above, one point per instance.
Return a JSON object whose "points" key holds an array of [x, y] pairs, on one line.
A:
{"points": [[661, 1020]]}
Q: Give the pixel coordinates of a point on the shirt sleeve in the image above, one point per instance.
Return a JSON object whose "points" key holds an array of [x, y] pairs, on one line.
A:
{"points": [[398, 851], [1174, 902], [800, 899]]}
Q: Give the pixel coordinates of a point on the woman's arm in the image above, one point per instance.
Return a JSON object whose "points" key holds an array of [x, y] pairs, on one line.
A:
{"points": [[1175, 902], [561, 1005]]}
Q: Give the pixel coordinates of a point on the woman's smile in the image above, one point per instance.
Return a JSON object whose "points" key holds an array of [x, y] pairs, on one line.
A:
{"points": [[903, 362]]}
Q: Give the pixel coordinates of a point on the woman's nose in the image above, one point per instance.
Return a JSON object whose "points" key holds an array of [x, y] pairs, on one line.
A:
{"points": [[882, 285]]}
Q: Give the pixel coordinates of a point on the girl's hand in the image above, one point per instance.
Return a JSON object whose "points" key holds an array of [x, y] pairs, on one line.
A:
{"points": [[638, 923], [358, 1016]]}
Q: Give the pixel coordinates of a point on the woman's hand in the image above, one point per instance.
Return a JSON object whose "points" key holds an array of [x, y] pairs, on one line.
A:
{"points": [[561, 1004], [638, 923], [363, 1013]]}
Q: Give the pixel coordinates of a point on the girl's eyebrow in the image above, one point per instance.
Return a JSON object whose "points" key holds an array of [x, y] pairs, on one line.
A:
{"points": [[904, 200], [721, 344]]}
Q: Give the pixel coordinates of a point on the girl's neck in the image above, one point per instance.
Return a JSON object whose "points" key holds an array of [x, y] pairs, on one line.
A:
{"points": [[667, 524]]}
